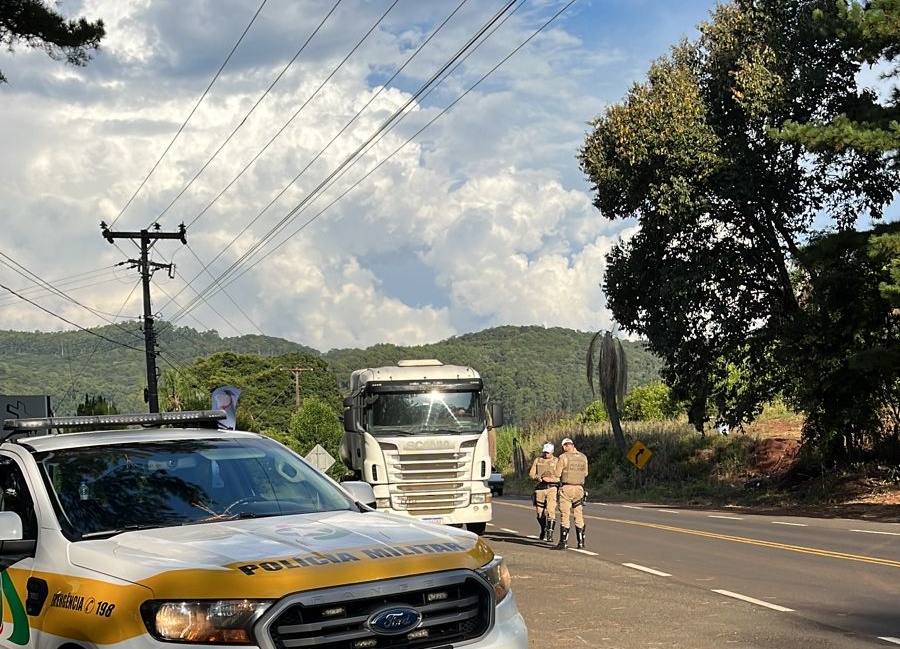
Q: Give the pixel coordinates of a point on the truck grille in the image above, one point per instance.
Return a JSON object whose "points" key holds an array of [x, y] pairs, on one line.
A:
{"points": [[455, 607], [429, 482]]}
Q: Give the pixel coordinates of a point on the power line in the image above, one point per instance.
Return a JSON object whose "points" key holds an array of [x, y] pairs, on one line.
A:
{"points": [[51, 288], [71, 390], [191, 114], [350, 159], [265, 148], [73, 282], [399, 148], [77, 326], [246, 116]]}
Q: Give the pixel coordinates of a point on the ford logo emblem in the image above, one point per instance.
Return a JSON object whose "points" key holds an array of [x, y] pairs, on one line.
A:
{"points": [[394, 620]]}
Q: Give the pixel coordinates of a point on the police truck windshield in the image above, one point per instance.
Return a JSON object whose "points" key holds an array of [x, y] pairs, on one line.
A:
{"points": [[391, 413], [103, 490]]}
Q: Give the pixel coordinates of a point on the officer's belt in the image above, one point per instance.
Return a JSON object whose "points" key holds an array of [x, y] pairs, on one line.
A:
{"points": [[571, 484]]}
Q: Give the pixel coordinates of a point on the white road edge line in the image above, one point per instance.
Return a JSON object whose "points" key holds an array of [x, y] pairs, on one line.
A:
{"points": [[730, 518], [631, 507], [658, 573], [587, 552], [877, 532], [786, 523], [776, 607], [670, 511], [506, 529], [889, 639]]}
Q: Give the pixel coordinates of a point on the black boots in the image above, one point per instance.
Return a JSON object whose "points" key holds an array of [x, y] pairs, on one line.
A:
{"points": [[543, 522], [563, 539], [551, 526]]}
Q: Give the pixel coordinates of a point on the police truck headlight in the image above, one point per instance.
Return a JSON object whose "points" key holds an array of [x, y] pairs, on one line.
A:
{"points": [[497, 575], [226, 621]]}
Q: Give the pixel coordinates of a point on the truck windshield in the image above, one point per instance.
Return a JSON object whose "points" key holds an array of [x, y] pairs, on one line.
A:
{"points": [[413, 413], [103, 490]]}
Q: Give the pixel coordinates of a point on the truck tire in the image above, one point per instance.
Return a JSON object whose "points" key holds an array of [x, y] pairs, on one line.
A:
{"points": [[478, 528]]}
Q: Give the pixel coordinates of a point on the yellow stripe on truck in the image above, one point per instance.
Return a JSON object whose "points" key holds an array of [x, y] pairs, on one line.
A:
{"points": [[85, 609], [104, 613], [275, 577]]}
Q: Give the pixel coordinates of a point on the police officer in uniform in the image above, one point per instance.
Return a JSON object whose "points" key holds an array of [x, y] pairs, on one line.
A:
{"points": [[543, 470], [572, 470]]}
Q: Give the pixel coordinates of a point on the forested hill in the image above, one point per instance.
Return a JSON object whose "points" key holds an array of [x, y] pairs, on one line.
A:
{"points": [[531, 370]]}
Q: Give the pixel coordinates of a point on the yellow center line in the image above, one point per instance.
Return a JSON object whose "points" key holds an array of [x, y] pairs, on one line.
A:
{"points": [[741, 539]]}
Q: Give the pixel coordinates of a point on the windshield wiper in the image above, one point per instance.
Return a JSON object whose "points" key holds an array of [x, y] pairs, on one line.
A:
{"points": [[440, 431], [391, 431], [105, 534]]}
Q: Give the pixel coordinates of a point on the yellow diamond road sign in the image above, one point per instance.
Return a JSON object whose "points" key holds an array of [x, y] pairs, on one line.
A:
{"points": [[639, 455]]}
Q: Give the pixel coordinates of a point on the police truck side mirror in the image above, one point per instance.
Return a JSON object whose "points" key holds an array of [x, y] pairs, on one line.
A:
{"points": [[12, 545], [10, 526]]}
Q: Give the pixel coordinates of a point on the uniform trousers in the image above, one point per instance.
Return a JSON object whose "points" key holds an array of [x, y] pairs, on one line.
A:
{"points": [[545, 502], [568, 495]]}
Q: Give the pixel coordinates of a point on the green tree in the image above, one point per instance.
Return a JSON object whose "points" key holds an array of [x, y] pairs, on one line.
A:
{"points": [[723, 201], [316, 422], [649, 402], [37, 25], [842, 360], [594, 413], [96, 405], [267, 384], [864, 123]]}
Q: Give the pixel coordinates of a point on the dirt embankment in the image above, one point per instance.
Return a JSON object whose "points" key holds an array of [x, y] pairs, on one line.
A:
{"points": [[861, 495]]}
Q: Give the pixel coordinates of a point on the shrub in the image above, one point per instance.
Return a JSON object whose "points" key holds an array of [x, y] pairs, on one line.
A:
{"points": [[649, 402]]}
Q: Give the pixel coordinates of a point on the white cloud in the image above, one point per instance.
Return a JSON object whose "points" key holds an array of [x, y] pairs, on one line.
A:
{"points": [[483, 219]]}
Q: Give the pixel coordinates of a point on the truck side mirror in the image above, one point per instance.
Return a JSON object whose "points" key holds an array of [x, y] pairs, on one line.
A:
{"points": [[496, 415], [349, 424]]}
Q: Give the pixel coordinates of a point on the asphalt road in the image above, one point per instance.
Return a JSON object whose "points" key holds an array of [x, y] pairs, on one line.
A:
{"points": [[656, 577]]}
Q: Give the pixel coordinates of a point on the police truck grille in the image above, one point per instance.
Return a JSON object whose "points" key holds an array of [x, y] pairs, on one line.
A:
{"points": [[455, 607]]}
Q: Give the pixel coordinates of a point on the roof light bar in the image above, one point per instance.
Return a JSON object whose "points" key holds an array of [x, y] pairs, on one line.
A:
{"points": [[201, 418]]}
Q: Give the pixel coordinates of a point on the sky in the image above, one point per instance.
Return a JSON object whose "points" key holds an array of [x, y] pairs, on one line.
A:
{"points": [[348, 172]]}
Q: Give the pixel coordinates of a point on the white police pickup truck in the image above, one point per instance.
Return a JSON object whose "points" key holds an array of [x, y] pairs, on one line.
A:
{"points": [[180, 534]]}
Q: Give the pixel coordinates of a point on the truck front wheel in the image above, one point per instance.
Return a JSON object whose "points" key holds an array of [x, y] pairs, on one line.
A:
{"points": [[478, 528]]}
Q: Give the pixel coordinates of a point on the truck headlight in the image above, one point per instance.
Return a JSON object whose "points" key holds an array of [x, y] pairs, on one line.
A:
{"points": [[497, 575], [479, 499], [226, 621]]}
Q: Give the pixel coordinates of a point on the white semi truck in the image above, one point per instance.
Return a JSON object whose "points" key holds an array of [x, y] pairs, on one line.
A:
{"points": [[420, 433]]}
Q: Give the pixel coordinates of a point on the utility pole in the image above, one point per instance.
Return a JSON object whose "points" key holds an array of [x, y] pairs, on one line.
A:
{"points": [[146, 268], [296, 371]]}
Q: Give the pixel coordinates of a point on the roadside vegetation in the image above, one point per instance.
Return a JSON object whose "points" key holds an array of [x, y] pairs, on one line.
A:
{"points": [[763, 465]]}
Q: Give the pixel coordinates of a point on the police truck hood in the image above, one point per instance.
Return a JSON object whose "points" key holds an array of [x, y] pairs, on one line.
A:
{"points": [[224, 559]]}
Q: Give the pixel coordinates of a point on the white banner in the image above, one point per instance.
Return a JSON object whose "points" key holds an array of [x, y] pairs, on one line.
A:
{"points": [[226, 398]]}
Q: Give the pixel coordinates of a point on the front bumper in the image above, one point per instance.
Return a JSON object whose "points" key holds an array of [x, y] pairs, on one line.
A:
{"points": [[509, 630]]}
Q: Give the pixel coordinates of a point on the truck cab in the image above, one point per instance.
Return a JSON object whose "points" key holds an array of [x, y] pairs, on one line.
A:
{"points": [[420, 433]]}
